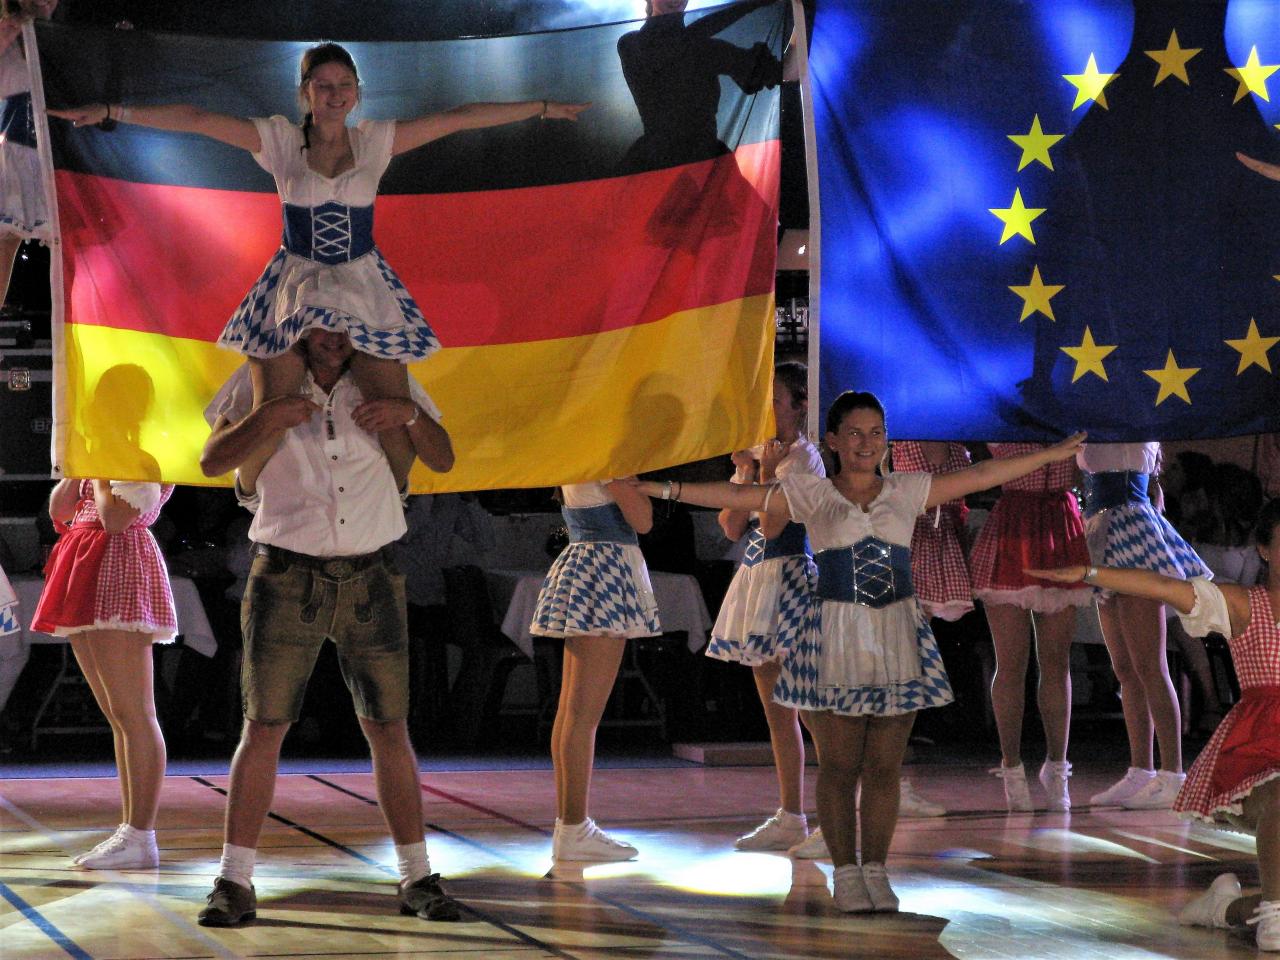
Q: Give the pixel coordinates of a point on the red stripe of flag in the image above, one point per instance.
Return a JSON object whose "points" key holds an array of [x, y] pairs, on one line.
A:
{"points": [[487, 267]]}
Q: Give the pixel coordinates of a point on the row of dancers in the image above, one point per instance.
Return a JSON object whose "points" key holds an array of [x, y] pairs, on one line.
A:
{"points": [[845, 633]]}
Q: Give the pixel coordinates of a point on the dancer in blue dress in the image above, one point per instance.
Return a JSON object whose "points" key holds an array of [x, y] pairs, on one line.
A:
{"points": [[866, 661], [595, 597], [327, 273]]}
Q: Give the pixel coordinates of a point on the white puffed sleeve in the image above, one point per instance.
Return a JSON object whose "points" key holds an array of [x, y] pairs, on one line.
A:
{"points": [[378, 137], [141, 496], [1209, 614], [804, 494], [280, 137]]}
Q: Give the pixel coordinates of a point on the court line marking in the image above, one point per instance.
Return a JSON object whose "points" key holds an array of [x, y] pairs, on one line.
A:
{"points": [[635, 912], [114, 878], [482, 915]]}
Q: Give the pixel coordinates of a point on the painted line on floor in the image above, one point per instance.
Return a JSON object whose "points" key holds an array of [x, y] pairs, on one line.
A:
{"points": [[635, 912], [482, 915]]}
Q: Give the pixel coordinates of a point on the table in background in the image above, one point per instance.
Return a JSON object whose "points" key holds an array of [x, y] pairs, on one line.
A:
{"points": [[15, 648]]}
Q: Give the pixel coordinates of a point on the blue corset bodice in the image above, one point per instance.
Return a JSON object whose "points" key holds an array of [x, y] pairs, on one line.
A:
{"points": [[602, 524], [791, 542], [872, 572], [17, 122], [1114, 488], [330, 233]]}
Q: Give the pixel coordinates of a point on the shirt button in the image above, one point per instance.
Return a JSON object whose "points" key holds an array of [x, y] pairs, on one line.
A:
{"points": [[334, 457], [342, 521], [342, 489]]}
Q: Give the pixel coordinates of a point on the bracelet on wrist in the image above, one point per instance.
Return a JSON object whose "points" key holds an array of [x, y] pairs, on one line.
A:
{"points": [[666, 490], [543, 114], [1090, 574], [107, 123]]}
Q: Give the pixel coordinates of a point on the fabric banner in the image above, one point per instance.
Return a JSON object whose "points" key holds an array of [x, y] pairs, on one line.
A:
{"points": [[1033, 220], [603, 290]]}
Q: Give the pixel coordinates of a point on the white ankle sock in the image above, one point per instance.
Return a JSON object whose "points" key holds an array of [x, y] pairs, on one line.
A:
{"points": [[785, 814], [237, 864], [134, 836], [411, 861], [573, 828]]}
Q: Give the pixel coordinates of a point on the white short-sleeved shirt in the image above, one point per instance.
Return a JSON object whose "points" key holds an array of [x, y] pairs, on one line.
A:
{"points": [[1107, 457], [282, 156], [322, 496], [1209, 614], [141, 496], [834, 521], [580, 496]]}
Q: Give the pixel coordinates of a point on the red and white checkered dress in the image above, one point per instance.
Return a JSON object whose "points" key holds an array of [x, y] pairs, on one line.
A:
{"points": [[1036, 523], [96, 580], [939, 570], [1244, 752]]}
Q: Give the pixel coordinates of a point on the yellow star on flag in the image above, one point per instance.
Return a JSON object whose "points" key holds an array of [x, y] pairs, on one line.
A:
{"points": [[1253, 348], [1036, 295], [1252, 76], [1090, 84], [1088, 357], [1172, 379], [1035, 144], [1173, 60], [1017, 217]]}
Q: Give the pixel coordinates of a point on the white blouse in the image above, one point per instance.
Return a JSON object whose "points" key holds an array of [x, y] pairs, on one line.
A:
{"points": [[580, 496], [1107, 457], [282, 156]]}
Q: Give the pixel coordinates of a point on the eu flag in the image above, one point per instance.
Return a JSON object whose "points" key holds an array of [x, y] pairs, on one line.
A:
{"points": [[1033, 220]]}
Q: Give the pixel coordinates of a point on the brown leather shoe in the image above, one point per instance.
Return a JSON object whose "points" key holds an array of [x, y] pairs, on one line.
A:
{"points": [[229, 905], [427, 900]]}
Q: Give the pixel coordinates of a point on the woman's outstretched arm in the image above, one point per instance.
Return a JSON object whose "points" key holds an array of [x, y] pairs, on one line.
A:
{"points": [[1179, 594], [179, 117], [734, 496], [992, 473], [411, 134]]}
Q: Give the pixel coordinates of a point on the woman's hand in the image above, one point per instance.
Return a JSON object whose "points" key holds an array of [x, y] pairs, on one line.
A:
{"points": [[1269, 170], [556, 110], [774, 452], [1059, 574], [374, 416], [88, 115], [1066, 448]]}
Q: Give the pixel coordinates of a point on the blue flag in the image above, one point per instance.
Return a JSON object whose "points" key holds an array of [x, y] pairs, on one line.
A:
{"points": [[1034, 221]]}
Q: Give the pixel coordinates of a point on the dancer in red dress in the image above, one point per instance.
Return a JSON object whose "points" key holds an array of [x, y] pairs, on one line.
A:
{"points": [[107, 590], [1035, 523], [1236, 778]]}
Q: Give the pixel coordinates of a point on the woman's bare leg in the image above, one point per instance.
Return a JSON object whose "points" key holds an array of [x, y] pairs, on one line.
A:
{"points": [[886, 745], [786, 738], [841, 742], [1142, 625], [590, 669], [1133, 700], [84, 653], [1011, 635], [1053, 653]]}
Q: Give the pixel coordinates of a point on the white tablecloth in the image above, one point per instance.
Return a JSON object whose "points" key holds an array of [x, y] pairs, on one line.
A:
{"points": [[680, 604]]}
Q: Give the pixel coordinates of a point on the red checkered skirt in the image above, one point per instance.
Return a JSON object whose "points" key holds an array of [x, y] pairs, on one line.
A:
{"points": [[939, 570], [100, 581], [1036, 530], [1242, 754]]}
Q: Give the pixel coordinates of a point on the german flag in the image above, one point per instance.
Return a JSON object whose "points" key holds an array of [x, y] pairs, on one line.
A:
{"points": [[602, 290]]}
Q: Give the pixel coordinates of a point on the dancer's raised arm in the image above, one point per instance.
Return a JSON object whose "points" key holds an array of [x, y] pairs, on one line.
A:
{"points": [[411, 134], [179, 117], [992, 473]]}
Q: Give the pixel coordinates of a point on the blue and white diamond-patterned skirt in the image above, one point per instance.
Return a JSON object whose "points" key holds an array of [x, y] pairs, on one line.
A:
{"points": [[363, 298], [1135, 537], [594, 590], [764, 610], [8, 607], [859, 661]]}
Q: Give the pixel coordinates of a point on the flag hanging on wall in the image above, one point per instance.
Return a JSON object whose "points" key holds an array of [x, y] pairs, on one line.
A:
{"points": [[1033, 220], [602, 290]]}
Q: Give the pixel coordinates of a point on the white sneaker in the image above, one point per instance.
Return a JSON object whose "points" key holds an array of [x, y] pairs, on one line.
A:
{"points": [[586, 841], [876, 877], [1157, 794], [1017, 796], [1135, 779], [849, 890], [79, 858], [812, 847], [912, 806], [1053, 777], [1210, 908], [1267, 919], [121, 854], [782, 831]]}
